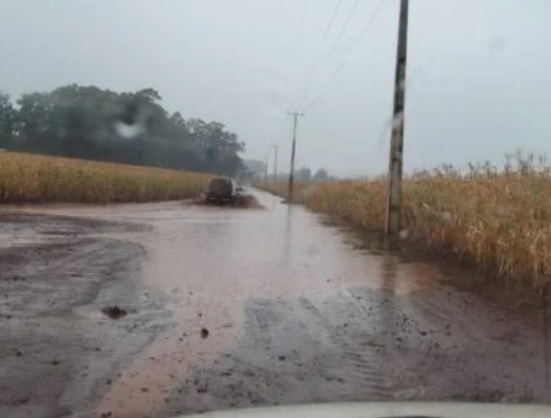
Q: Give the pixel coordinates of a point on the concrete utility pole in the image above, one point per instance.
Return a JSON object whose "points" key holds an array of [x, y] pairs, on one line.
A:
{"points": [[275, 163], [394, 208], [292, 171]]}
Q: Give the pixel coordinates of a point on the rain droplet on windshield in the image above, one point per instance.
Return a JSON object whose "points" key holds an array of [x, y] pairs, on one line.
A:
{"points": [[128, 131], [398, 120]]}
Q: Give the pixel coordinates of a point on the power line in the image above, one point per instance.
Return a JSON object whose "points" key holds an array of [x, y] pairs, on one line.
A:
{"points": [[339, 67], [343, 28], [336, 43], [315, 60], [336, 72], [370, 21], [332, 21]]}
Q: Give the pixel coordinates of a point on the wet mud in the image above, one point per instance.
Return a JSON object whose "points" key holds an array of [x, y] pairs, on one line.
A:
{"points": [[155, 310], [58, 352]]}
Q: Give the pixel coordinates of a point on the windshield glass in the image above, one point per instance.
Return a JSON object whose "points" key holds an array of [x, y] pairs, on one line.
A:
{"points": [[211, 205]]}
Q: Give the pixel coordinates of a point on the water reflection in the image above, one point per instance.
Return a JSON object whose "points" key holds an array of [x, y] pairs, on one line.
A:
{"points": [[389, 273], [288, 221]]}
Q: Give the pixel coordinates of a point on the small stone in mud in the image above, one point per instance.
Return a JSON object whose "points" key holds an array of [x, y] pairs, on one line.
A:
{"points": [[282, 358], [204, 333], [114, 312]]}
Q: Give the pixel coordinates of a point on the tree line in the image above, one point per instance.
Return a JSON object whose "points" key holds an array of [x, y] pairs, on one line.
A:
{"points": [[132, 128], [259, 170]]}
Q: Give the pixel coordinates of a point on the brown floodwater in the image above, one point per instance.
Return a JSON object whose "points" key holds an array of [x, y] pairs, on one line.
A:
{"points": [[232, 307]]}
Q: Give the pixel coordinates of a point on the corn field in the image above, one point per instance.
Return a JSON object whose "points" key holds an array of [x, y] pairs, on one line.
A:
{"points": [[36, 178], [496, 218]]}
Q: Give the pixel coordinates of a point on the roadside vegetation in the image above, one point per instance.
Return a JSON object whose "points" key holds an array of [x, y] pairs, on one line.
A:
{"points": [[35, 178], [119, 127], [496, 218]]}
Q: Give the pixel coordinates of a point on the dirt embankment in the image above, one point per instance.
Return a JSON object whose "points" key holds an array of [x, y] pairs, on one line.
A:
{"points": [[58, 351]]}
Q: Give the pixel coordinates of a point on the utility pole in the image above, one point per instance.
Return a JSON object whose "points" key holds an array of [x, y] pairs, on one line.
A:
{"points": [[275, 164], [292, 170], [266, 171], [394, 207]]}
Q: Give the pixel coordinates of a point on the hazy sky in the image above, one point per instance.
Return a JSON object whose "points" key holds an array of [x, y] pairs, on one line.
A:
{"points": [[479, 82]]}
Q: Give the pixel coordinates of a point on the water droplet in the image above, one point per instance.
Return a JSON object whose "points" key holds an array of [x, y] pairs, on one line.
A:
{"points": [[128, 131]]}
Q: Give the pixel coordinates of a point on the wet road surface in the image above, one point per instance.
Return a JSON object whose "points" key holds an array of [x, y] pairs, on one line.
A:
{"points": [[236, 308]]}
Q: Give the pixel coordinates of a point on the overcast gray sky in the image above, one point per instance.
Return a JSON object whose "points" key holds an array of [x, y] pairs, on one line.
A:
{"points": [[479, 83]]}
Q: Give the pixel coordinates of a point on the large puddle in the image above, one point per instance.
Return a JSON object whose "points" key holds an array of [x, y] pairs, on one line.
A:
{"points": [[261, 282]]}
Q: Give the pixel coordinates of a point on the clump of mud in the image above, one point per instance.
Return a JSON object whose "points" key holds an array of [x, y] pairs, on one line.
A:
{"points": [[114, 312]]}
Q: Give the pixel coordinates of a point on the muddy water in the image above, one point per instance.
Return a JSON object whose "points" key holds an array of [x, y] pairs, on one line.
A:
{"points": [[269, 306]]}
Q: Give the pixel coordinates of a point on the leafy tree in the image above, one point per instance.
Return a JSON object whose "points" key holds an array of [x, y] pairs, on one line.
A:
{"points": [[8, 121], [303, 174], [321, 175], [128, 127]]}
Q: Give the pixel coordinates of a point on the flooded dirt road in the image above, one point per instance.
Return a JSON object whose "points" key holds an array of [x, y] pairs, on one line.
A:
{"points": [[223, 307]]}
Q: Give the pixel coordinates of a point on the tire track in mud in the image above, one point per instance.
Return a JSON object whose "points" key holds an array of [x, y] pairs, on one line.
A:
{"points": [[290, 352], [356, 356]]}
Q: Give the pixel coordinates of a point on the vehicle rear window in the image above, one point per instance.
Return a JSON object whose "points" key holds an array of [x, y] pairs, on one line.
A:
{"points": [[220, 185]]}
